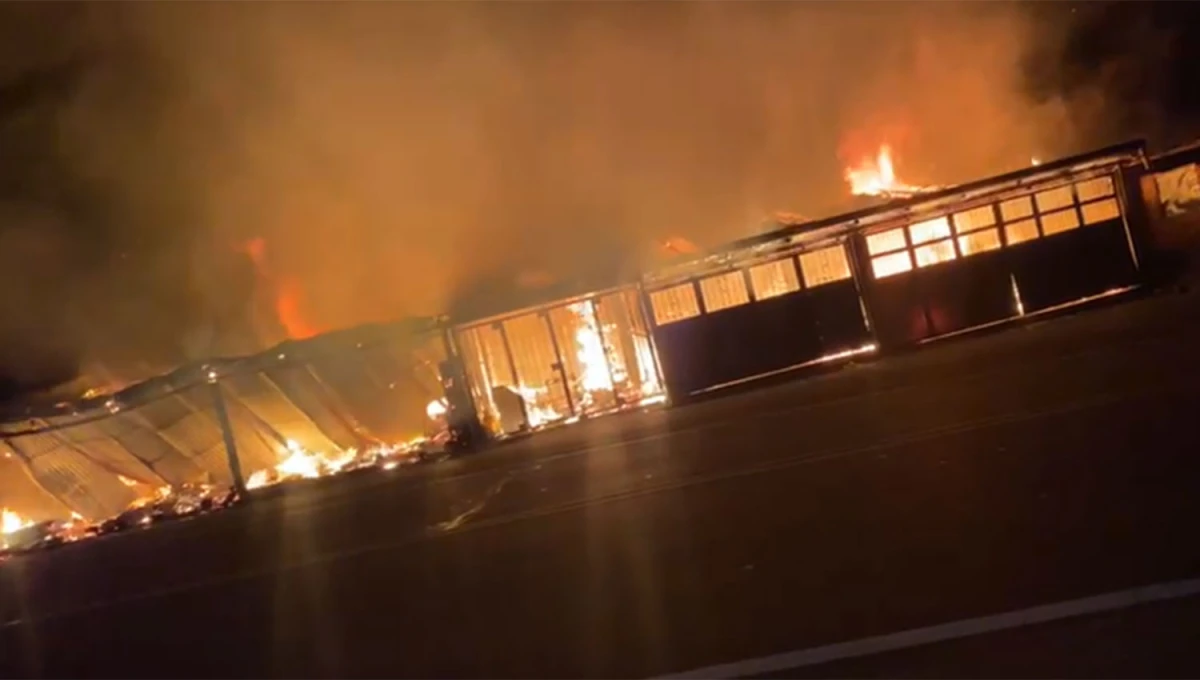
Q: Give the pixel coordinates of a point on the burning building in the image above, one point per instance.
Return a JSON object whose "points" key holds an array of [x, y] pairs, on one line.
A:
{"points": [[558, 362], [918, 265], [300, 409]]}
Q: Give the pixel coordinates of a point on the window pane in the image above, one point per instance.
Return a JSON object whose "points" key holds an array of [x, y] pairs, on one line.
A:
{"points": [[1016, 209], [1054, 199], [975, 218], [724, 290], [674, 304], [885, 241], [1100, 211], [534, 357], [929, 230], [773, 279], [824, 266], [942, 251], [887, 265], [1018, 232], [1091, 189], [1062, 220], [979, 242]]}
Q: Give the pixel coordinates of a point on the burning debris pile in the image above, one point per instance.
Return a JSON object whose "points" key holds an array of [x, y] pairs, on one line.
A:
{"points": [[298, 463], [578, 359], [284, 423], [20, 534]]}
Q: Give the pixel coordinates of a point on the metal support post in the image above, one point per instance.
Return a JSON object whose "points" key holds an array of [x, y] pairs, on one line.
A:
{"points": [[235, 465]]}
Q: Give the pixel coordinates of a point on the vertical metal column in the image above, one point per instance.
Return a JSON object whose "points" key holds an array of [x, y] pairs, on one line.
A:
{"points": [[1122, 195], [645, 309], [861, 272], [235, 465], [512, 369], [558, 362], [608, 350]]}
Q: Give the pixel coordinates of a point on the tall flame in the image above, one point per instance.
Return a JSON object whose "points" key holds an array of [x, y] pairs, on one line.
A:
{"points": [[287, 310], [287, 292], [877, 176], [593, 359]]}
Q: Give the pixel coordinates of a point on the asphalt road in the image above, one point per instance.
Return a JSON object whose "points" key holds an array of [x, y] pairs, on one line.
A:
{"points": [[1043, 463], [1152, 641]]}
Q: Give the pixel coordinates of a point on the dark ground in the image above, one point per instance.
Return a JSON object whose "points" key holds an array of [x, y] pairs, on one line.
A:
{"points": [[1038, 464], [1150, 641]]}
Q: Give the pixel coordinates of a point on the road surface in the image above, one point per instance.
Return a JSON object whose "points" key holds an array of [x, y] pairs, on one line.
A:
{"points": [[1039, 464]]}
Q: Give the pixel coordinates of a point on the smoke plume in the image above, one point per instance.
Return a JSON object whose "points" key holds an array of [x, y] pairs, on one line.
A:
{"points": [[393, 157]]}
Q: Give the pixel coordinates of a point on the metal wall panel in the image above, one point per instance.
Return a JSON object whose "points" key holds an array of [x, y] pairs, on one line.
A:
{"points": [[1049, 246], [743, 338]]}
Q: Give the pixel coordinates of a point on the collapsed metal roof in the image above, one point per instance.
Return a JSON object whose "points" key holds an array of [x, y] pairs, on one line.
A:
{"points": [[195, 373]]}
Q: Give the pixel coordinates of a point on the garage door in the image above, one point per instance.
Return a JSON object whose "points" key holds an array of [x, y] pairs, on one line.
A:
{"points": [[996, 260], [772, 315]]}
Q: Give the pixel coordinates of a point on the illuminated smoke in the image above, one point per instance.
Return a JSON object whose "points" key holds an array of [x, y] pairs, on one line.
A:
{"points": [[399, 157]]}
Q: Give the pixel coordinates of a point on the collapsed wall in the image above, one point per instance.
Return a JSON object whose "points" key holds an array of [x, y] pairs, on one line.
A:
{"points": [[338, 392]]}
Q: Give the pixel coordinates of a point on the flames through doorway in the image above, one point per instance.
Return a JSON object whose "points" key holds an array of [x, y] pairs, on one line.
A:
{"points": [[555, 364]]}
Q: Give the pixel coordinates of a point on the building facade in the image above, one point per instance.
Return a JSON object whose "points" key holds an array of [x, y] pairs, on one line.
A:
{"points": [[885, 278]]}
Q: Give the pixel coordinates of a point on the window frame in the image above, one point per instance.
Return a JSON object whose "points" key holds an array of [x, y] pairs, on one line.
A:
{"points": [[845, 261], [697, 302], [738, 275], [797, 277]]}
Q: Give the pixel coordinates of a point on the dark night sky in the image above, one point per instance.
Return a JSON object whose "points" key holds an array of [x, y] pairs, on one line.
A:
{"points": [[93, 164], [1141, 55]]}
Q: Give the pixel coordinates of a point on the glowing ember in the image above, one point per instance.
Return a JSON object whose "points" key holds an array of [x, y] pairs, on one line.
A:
{"points": [[436, 409], [300, 463], [877, 177], [146, 494], [11, 522]]}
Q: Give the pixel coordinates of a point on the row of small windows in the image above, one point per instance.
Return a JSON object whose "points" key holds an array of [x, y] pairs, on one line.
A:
{"points": [[977, 230], [941, 239], [767, 280]]}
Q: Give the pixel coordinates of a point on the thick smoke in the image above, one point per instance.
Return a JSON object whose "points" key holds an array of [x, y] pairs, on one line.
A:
{"points": [[393, 156], [1122, 68]]}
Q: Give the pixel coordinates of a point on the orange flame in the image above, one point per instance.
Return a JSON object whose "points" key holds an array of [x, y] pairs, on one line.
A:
{"points": [[678, 245], [287, 310], [288, 293], [877, 176], [11, 522]]}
